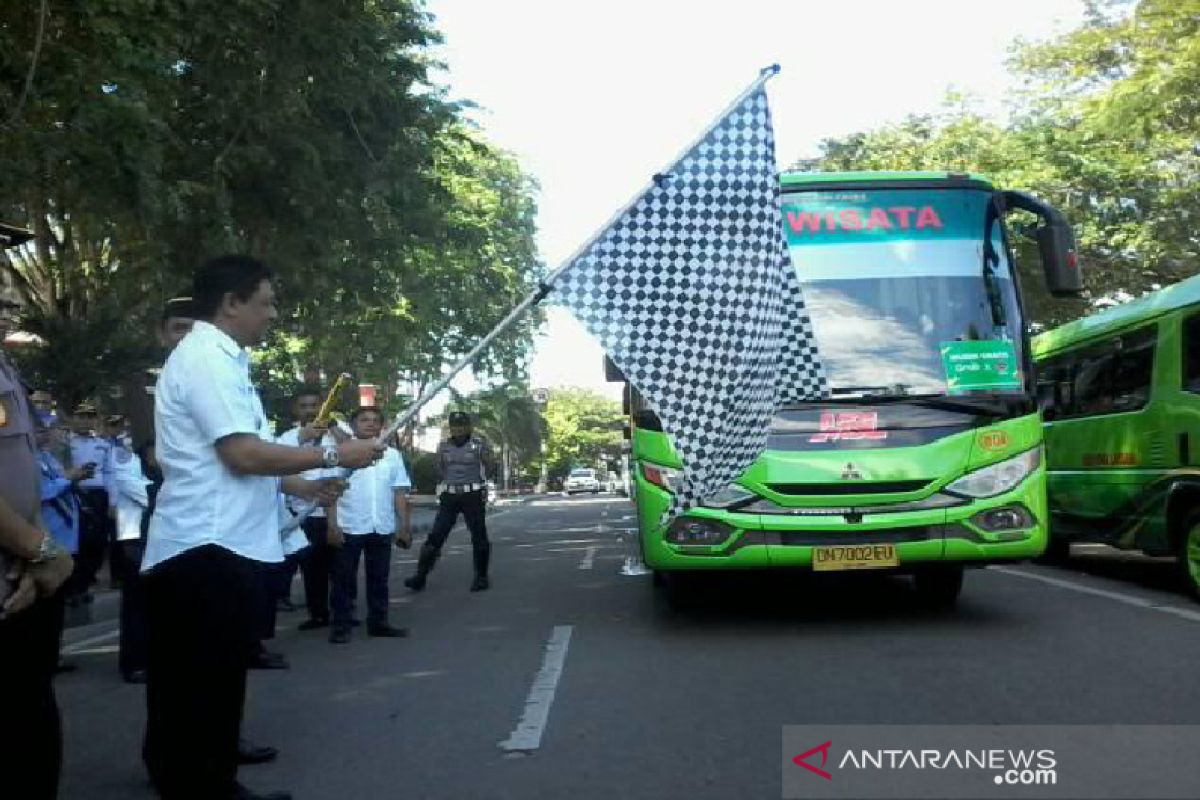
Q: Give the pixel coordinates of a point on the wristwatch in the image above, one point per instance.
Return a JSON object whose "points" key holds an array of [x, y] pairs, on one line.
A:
{"points": [[331, 456], [48, 550]]}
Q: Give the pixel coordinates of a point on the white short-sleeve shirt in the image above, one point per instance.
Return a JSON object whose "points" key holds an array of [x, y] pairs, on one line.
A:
{"points": [[368, 504], [291, 438], [203, 395]]}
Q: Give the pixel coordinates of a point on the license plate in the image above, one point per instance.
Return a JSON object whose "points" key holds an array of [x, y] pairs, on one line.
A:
{"points": [[854, 556]]}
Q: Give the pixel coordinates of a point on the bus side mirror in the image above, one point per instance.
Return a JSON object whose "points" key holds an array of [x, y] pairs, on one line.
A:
{"points": [[612, 373], [1056, 245], [1055, 241]]}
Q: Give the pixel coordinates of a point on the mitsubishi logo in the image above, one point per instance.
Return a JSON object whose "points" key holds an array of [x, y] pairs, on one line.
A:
{"points": [[851, 473]]}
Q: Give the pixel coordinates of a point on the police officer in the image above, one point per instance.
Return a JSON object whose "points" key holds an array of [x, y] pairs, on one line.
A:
{"points": [[32, 568], [137, 392], [462, 462], [87, 448]]}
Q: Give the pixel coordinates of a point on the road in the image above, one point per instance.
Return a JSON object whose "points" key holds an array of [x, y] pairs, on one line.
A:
{"points": [[598, 689]]}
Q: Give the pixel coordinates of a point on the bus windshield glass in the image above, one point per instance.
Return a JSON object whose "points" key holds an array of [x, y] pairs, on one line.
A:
{"points": [[910, 290]]}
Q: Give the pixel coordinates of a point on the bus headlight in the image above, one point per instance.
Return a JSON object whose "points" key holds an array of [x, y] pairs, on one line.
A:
{"points": [[732, 495], [997, 478], [690, 530], [662, 477]]}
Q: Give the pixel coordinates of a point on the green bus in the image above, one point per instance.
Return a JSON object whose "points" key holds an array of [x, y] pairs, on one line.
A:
{"points": [[927, 456], [1120, 395]]}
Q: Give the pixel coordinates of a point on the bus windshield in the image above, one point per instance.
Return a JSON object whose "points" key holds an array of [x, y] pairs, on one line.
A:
{"points": [[910, 291]]}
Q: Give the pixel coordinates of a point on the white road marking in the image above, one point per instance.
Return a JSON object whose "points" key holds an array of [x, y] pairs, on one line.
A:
{"points": [[588, 557], [528, 733], [1128, 599], [80, 646]]}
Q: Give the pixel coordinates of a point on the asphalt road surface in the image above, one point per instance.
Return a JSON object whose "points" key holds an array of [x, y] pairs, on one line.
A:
{"points": [[571, 680]]}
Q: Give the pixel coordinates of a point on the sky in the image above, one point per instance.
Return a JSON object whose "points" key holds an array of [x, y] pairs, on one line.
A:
{"points": [[594, 98]]}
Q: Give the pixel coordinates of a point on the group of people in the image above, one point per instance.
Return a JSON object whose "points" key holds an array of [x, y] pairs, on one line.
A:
{"points": [[215, 515]]}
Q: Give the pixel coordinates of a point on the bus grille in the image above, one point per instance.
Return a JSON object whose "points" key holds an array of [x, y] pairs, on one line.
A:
{"points": [[846, 488]]}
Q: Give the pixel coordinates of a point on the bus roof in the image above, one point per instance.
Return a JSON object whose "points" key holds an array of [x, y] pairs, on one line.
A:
{"points": [[821, 180], [1182, 294]]}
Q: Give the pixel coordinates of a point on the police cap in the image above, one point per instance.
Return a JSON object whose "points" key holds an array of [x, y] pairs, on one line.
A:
{"points": [[460, 418]]}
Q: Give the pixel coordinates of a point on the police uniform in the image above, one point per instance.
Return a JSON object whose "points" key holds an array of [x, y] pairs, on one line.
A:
{"points": [[464, 492], [31, 759], [95, 528]]}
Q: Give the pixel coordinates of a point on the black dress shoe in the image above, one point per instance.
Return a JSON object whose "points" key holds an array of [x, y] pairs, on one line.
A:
{"points": [[243, 793], [65, 666], [480, 584], [339, 635], [386, 631], [313, 624], [250, 753], [265, 659], [135, 676]]}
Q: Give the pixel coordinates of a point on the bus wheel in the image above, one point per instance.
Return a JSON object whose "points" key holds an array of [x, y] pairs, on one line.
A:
{"points": [[939, 587], [1188, 554], [1058, 551], [659, 578], [681, 591]]}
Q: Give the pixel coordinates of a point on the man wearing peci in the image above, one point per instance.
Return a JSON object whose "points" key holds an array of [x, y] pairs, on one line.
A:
{"points": [[216, 514]]}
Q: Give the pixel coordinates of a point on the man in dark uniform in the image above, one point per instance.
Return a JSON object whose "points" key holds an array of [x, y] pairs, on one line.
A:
{"points": [[463, 461], [32, 569]]}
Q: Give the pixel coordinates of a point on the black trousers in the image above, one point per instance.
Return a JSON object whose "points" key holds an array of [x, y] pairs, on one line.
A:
{"points": [[376, 550], [266, 583], [201, 635], [31, 732], [316, 567], [95, 531], [135, 636], [471, 506]]}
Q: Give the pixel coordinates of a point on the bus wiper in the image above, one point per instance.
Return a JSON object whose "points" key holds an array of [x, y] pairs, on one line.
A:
{"points": [[962, 404]]}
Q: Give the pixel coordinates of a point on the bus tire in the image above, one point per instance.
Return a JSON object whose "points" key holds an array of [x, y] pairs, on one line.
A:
{"points": [[681, 591], [940, 586], [1058, 551], [1187, 553], [658, 578]]}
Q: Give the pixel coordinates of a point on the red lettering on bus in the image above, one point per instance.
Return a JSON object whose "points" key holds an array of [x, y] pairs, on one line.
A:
{"points": [[902, 213], [804, 219], [879, 219], [928, 218], [851, 220]]}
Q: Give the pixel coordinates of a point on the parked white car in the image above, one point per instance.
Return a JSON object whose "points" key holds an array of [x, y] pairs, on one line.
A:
{"points": [[582, 480]]}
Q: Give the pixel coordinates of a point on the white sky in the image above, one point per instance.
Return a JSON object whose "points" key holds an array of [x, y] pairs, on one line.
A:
{"points": [[593, 98]]}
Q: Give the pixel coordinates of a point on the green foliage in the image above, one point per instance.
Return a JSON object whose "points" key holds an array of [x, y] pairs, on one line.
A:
{"points": [[145, 137], [584, 430], [1106, 129]]}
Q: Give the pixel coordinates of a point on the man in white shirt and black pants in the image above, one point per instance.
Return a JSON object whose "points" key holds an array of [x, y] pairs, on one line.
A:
{"points": [[217, 513], [364, 522], [316, 560]]}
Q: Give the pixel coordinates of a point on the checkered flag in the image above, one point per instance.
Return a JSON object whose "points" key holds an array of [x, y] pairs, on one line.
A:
{"points": [[692, 294]]}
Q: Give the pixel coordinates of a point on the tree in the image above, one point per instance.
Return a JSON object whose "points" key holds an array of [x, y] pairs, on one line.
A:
{"points": [[141, 138], [1105, 129], [584, 430]]}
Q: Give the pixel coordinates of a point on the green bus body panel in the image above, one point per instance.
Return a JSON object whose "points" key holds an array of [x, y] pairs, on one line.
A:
{"points": [[801, 179], [1112, 476], [940, 462]]}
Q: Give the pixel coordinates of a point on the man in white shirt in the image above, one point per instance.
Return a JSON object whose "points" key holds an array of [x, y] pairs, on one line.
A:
{"points": [[363, 523], [216, 514], [316, 560]]}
